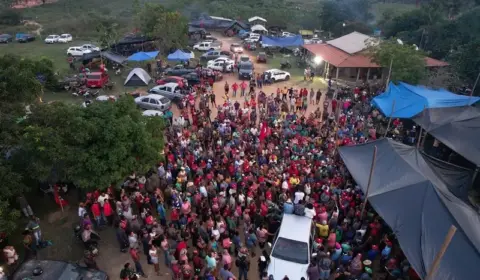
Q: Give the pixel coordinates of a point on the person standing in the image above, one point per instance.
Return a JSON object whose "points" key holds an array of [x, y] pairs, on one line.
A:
{"points": [[234, 89], [26, 209], [154, 258], [212, 99], [312, 95], [243, 87], [243, 264], [227, 88], [318, 96], [136, 260], [34, 226]]}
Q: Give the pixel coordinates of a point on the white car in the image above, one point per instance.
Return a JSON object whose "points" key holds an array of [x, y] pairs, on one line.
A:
{"points": [[218, 66], [236, 48], [278, 75], [252, 40], [77, 51], [106, 98], [287, 34], [152, 113], [221, 59], [65, 38], [90, 47], [51, 39], [153, 102], [207, 46]]}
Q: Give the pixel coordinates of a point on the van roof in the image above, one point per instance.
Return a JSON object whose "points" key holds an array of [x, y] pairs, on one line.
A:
{"points": [[295, 227], [171, 84]]}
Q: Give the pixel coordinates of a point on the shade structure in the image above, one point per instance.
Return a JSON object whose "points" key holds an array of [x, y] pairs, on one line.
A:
{"points": [[420, 198], [457, 127], [258, 27], [143, 56], [411, 100], [293, 41], [137, 77], [179, 55]]}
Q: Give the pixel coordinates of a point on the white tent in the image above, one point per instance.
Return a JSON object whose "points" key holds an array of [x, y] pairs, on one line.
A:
{"points": [[258, 27], [137, 77], [256, 18]]}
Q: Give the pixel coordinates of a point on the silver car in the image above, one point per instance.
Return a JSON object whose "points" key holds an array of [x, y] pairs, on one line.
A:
{"points": [[153, 102]]}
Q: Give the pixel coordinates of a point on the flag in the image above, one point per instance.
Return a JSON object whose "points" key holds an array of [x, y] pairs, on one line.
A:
{"points": [[263, 131]]}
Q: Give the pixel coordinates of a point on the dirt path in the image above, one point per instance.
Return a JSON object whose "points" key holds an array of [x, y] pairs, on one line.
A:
{"points": [[31, 23]]}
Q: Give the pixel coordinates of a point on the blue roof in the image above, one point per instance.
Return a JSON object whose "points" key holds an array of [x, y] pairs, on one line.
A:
{"points": [[143, 56], [293, 41], [178, 55], [411, 100]]}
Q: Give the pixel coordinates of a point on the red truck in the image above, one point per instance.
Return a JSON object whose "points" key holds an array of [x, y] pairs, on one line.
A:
{"points": [[97, 79]]}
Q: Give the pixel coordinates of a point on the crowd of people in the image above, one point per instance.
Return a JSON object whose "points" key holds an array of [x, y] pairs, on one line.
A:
{"points": [[218, 198]]}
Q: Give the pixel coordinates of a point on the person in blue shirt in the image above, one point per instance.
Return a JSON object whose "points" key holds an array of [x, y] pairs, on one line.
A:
{"points": [[288, 207], [162, 215]]}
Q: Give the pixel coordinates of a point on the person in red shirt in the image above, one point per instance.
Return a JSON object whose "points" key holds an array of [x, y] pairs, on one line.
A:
{"points": [[243, 87], [136, 260], [108, 212], [234, 89], [174, 217], [96, 213]]}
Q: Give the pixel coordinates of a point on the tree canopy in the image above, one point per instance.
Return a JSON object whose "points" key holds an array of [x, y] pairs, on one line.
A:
{"points": [[408, 64]]}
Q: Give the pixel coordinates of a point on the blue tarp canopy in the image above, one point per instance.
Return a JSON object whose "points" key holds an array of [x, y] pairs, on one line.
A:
{"points": [[179, 55], [143, 56], [293, 41], [411, 100], [420, 197]]}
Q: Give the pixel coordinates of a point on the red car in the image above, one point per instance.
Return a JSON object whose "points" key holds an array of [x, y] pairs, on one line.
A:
{"points": [[97, 79], [173, 79], [262, 57]]}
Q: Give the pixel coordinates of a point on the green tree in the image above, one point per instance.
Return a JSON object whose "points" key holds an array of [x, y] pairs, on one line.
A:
{"points": [[92, 147], [107, 31], [466, 61], [169, 29], [408, 64]]}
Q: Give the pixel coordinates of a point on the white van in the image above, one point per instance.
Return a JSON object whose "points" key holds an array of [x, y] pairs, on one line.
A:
{"points": [[292, 248]]}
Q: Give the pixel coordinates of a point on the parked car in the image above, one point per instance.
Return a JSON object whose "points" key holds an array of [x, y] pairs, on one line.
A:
{"points": [[90, 47], [287, 34], [24, 38], [173, 79], [252, 40], [6, 38], [221, 59], [262, 57], [178, 70], [207, 46], [278, 75], [97, 79], [236, 48], [245, 70], [192, 78], [244, 58], [218, 66], [153, 102], [65, 38], [47, 269], [51, 39], [77, 51], [152, 113], [215, 54], [170, 90]]}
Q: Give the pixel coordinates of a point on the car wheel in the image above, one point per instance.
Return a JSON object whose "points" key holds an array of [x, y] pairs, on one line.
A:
{"points": [[287, 78]]}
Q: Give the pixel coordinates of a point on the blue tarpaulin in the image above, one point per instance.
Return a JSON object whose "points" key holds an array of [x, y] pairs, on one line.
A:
{"points": [[293, 41], [411, 100], [179, 55], [143, 56]]}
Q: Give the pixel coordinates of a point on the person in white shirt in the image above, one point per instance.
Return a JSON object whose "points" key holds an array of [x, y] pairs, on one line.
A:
{"points": [[310, 211], [299, 195], [101, 199]]}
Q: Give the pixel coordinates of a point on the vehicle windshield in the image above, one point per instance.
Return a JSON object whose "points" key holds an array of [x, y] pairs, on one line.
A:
{"points": [[64, 36], [164, 100], [4, 36], [246, 66], [51, 36], [291, 250], [93, 77]]}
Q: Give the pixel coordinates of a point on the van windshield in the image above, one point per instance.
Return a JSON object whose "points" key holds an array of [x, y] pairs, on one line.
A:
{"points": [[291, 250], [93, 77], [246, 66]]}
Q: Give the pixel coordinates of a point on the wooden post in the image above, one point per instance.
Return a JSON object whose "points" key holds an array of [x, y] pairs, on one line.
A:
{"points": [[421, 129], [439, 256], [390, 120], [372, 168]]}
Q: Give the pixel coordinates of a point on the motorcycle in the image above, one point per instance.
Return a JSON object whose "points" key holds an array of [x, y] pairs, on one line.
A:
{"points": [[285, 65], [92, 245]]}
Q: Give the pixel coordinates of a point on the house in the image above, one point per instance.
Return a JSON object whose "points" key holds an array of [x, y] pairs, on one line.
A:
{"points": [[347, 58], [257, 20]]}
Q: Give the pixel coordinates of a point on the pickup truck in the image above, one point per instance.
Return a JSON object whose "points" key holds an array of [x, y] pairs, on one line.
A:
{"points": [[207, 46]]}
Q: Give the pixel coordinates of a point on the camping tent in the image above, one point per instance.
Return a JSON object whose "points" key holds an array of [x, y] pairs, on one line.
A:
{"points": [[420, 198], [179, 55], [411, 100], [137, 77], [259, 27], [293, 41], [456, 127], [143, 56]]}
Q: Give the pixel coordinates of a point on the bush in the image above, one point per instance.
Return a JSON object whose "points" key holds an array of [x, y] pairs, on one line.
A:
{"points": [[10, 17]]}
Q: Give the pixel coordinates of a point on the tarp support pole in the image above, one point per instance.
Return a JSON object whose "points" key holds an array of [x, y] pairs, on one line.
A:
{"points": [[390, 120], [439, 256], [372, 167], [421, 130]]}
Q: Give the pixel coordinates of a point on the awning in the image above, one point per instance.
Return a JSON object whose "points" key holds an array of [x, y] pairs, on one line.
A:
{"points": [[113, 57], [258, 27], [143, 56], [293, 41]]}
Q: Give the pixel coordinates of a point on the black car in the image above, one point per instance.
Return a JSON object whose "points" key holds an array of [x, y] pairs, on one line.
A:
{"points": [[178, 70], [6, 38], [48, 270], [192, 78], [25, 38]]}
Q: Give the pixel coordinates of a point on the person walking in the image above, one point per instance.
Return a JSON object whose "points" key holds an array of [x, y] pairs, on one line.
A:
{"points": [[34, 226], [136, 260], [26, 209], [154, 258], [227, 88], [243, 264], [243, 87], [234, 89], [212, 99], [318, 96], [312, 96]]}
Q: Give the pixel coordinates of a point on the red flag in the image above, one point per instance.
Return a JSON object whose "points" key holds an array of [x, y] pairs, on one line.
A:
{"points": [[263, 131]]}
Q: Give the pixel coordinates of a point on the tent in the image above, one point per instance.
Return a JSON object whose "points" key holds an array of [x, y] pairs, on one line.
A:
{"points": [[259, 27], [137, 77], [143, 56], [456, 127], [411, 100], [420, 197], [293, 41], [179, 55]]}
